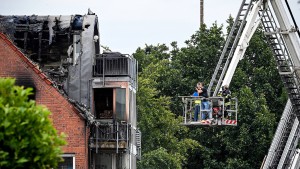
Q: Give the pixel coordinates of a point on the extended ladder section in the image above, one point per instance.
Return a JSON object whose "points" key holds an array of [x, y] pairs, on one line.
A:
{"points": [[296, 161], [229, 48], [285, 46], [235, 47], [288, 71], [280, 138], [290, 147]]}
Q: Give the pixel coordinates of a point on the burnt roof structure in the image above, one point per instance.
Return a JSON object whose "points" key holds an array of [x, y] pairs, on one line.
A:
{"points": [[64, 47], [66, 50]]}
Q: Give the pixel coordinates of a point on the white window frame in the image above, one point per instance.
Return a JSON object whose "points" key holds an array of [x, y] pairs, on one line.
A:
{"points": [[70, 155]]}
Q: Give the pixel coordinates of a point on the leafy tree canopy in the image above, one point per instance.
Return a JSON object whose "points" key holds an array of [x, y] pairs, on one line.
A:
{"points": [[27, 136], [165, 138], [165, 74]]}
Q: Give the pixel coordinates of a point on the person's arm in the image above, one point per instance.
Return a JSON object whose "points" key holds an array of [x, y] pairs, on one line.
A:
{"points": [[229, 94], [199, 90]]}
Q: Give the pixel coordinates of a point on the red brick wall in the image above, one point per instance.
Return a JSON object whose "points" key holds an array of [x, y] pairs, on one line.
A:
{"points": [[65, 118]]}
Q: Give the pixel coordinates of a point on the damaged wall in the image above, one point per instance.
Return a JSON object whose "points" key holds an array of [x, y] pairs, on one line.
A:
{"points": [[80, 74], [64, 116]]}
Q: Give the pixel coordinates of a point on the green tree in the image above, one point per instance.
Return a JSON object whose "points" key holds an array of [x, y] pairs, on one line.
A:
{"points": [[258, 87], [27, 136], [182, 68], [160, 158], [163, 136], [164, 75], [254, 133], [195, 62], [262, 75]]}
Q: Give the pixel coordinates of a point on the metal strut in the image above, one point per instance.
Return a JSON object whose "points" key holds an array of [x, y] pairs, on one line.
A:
{"points": [[229, 47], [286, 53], [236, 45]]}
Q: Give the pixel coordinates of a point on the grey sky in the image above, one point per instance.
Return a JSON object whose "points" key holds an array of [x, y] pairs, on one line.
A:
{"points": [[128, 24]]}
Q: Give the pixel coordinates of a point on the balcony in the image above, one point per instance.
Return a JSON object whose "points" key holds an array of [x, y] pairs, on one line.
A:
{"points": [[116, 65], [110, 136]]}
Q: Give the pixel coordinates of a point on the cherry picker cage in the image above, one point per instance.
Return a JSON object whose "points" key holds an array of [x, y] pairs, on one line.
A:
{"points": [[216, 113]]}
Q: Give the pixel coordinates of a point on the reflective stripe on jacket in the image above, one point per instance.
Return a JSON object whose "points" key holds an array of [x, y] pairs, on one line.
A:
{"points": [[197, 101]]}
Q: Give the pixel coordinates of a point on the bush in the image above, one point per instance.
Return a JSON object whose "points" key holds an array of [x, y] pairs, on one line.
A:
{"points": [[27, 136]]}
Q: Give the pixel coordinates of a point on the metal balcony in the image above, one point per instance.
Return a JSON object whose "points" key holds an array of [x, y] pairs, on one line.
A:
{"points": [[116, 65], [110, 136]]}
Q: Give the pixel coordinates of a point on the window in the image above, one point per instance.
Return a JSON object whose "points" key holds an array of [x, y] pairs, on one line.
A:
{"points": [[68, 163], [103, 99], [110, 103], [121, 104]]}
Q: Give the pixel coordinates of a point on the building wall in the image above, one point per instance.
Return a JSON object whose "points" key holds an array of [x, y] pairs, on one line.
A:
{"points": [[128, 159], [65, 118]]}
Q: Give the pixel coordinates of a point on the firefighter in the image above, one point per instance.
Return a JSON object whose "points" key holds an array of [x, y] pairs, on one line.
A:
{"points": [[202, 92], [226, 93]]}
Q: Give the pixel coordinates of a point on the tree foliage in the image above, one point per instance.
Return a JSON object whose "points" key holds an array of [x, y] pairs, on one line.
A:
{"points": [[27, 137], [166, 74], [162, 133]]}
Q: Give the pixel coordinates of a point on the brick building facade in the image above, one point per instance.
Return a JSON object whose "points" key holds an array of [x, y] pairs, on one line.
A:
{"points": [[92, 96], [66, 118]]}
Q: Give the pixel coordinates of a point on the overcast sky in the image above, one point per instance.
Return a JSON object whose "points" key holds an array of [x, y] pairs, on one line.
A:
{"points": [[128, 24]]}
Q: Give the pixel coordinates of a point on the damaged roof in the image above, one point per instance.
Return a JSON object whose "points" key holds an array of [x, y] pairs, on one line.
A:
{"points": [[63, 47]]}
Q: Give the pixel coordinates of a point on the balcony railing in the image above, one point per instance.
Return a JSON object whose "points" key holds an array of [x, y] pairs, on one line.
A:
{"points": [[113, 65], [110, 136], [216, 112]]}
